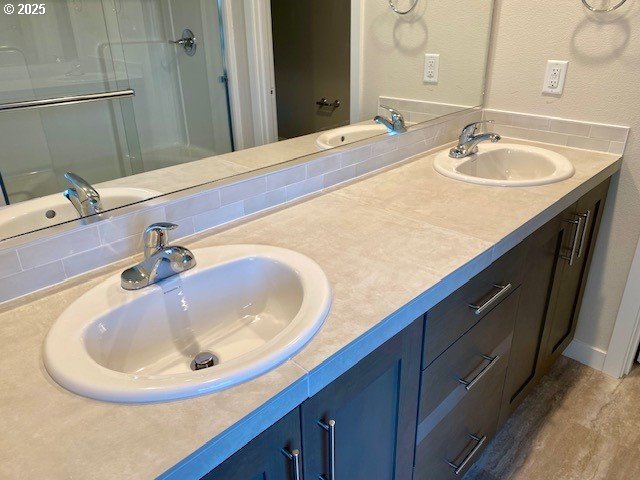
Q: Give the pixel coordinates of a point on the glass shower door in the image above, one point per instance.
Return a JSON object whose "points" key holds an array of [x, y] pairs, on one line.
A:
{"points": [[64, 53], [180, 110]]}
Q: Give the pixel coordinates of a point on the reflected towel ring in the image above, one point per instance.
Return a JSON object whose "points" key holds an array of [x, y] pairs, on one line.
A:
{"points": [[415, 2], [603, 10]]}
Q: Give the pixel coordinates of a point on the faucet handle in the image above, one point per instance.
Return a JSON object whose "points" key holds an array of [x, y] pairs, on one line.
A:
{"points": [[156, 237], [395, 114], [472, 128]]}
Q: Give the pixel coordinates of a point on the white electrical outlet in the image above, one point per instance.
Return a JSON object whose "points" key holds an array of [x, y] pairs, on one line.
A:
{"points": [[555, 77], [431, 67]]}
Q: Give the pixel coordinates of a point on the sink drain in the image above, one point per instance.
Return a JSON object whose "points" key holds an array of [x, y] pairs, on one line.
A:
{"points": [[204, 360]]}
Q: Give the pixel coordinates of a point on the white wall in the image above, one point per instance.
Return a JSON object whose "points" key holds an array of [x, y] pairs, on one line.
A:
{"points": [[603, 85], [394, 48]]}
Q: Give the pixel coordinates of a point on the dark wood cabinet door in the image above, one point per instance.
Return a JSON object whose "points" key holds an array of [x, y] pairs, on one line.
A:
{"points": [[264, 458], [374, 407], [543, 249], [572, 277]]}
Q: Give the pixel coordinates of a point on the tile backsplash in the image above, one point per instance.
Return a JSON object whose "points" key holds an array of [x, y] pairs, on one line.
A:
{"points": [[28, 267], [559, 131], [32, 266], [418, 110]]}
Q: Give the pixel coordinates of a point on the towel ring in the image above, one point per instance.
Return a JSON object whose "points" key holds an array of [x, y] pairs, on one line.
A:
{"points": [[415, 2], [603, 10]]}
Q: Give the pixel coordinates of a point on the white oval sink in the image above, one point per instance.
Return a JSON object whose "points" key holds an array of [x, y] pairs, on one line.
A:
{"points": [[506, 165], [34, 214], [350, 134], [251, 306]]}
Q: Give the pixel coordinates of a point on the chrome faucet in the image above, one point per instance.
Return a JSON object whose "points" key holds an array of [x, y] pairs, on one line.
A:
{"points": [[160, 260], [82, 195], [468, 141], [395, 123]]}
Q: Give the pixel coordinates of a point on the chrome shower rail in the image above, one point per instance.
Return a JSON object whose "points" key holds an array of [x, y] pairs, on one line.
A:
{"points": [[70, 100]]}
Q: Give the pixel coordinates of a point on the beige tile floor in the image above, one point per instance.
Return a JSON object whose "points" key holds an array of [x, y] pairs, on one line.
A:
{"points": [[578, 424]]}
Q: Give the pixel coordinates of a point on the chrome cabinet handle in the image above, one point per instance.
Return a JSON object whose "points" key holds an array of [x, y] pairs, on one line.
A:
{"points": [[571, 258], [294, 456], [457, 469], [583, 237], [469, 384], [330, 427], [503, 290]]}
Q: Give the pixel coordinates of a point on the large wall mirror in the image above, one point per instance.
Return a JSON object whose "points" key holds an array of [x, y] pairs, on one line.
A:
{"points": [[135, 99]]}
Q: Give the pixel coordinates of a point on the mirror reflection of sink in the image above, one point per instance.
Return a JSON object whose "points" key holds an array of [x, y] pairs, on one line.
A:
{"points": [[506, 165], [250, 307], [350, 134], [51, 210]]}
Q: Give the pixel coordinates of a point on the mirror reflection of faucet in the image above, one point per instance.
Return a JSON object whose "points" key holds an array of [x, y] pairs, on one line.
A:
{"points": [[82, 195], [395, 124]]}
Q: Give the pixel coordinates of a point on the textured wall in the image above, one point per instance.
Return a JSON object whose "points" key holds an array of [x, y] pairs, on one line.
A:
{"points": [[603, 85], [394, 48]]}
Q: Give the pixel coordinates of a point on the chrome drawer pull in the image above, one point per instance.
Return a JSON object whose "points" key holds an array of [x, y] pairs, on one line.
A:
{"points": [[503, 290], [457, 469], [587, 219], [469, 384], [571, 258], [330, 427], [294, 456]]}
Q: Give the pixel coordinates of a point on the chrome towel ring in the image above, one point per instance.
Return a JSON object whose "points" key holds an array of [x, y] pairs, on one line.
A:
{"points": [[604, 10], [415, 2]]}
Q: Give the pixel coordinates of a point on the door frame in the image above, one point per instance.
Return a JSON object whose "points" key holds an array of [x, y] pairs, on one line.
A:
{"points": [[262, 77], [626, 333], [260, 46]]}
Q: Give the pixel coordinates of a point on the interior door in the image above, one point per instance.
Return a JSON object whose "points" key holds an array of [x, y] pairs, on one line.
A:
{"points": [[312, 54]]}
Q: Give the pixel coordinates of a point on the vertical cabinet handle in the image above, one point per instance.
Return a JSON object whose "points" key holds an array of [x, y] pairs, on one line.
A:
{"points": [[583, 237], [469, 384], [571, 258], [501, 293], [457, 469], [294, 456], [330, 427]]}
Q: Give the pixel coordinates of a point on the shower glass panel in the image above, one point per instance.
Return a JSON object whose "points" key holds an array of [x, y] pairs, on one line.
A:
{"points": [[179, 113], [180, 110], [64, 52]]}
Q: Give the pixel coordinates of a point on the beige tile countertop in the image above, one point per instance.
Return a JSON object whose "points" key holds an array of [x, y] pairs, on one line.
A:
{"points": [[392, 245]]}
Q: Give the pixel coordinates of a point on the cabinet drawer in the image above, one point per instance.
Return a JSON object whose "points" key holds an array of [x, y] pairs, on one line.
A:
{"points": [[457, 441], [460, 311], [470, 360]]}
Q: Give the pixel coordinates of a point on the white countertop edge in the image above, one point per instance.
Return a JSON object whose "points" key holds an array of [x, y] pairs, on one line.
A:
{"points": [[242, 432]]}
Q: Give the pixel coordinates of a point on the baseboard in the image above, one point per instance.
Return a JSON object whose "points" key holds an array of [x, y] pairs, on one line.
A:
{"points": [[586, 354]]}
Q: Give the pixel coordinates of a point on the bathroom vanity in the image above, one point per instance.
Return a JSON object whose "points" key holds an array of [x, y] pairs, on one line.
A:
{"points": [[450, 301], [444, 385]]}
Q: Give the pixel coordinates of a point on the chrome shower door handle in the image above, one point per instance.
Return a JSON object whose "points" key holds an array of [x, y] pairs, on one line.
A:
{"points": [[330, 427], [294, 456]]}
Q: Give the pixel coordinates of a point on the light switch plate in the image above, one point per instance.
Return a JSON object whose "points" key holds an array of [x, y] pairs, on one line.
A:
{"points": [[431, 67], [555, 77]]}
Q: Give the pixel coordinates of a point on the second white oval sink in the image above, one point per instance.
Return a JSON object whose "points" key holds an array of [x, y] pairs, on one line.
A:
{"points": [[506, 165], [349, 134], [250, 306], [44, 212]]}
